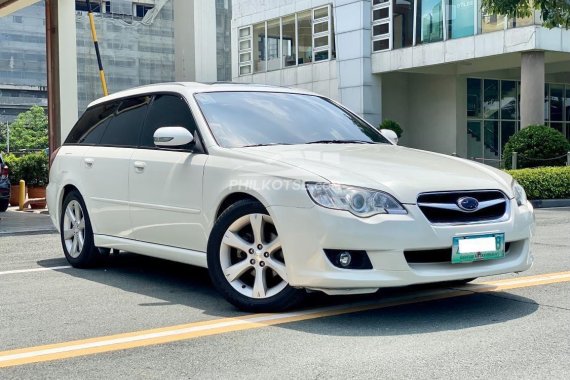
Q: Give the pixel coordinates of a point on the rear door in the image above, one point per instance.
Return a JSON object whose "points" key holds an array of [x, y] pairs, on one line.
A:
{"points": [[105, 167], [166, 184]]}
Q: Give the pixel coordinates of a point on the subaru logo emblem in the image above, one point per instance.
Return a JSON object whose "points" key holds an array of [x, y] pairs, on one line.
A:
{"points": [[468, 204]]}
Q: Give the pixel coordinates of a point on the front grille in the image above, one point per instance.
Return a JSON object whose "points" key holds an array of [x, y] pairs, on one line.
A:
{"points": [[443, 208], [434, 255]]}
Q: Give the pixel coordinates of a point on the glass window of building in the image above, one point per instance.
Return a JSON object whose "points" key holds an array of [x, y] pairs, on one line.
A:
{"points": [[403, 23], [474, 98], [492, 23], [259, 48], [273, 41], [288, 41], [493, 117], [491, 99], [430, 21], [304, 31], [296, 39], [508, 100], [245, 51], [321, 33], [460, 18], [381, 25]]}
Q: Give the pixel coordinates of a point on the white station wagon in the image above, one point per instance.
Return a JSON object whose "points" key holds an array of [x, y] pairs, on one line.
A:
{"points": [[277, 192]]}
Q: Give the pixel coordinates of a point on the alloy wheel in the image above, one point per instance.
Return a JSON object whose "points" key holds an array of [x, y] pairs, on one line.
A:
{"points": [[251, 257], [74, 229]]}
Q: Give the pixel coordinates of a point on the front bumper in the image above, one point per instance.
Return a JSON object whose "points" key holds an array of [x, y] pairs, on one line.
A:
{"points": [[305, 233]]}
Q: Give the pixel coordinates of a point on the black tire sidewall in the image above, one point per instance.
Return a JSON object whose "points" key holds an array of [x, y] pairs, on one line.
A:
{"points": [[88, 257], [285, 299], [4, 205]]}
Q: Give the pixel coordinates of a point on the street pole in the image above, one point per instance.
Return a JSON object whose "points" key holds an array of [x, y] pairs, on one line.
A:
{"points": [[7, 137]]}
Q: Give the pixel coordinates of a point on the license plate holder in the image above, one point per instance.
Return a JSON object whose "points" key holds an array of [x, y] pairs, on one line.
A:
{"points": [[471, 248]]}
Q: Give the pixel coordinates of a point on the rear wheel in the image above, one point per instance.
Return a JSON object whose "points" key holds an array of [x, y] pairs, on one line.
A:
{"points": [[246, 261], [3, 205], [76, 233]]}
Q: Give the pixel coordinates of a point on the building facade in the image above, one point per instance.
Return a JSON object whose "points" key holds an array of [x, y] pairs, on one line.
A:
{"points": [[457, 80]]}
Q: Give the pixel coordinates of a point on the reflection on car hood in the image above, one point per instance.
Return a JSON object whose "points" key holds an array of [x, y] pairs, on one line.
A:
{"points": [[401, 171]]}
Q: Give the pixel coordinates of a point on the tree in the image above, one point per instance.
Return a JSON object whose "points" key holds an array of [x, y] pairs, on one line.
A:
{"points": [[554, 12], [28, 131]]}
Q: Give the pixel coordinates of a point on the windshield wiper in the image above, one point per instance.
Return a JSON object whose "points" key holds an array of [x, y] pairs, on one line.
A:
{"points": [[340, 142], [269, 144]]}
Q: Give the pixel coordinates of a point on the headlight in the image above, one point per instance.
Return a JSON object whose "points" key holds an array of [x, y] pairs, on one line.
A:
{"points": [[520, 194], [359, 201]]}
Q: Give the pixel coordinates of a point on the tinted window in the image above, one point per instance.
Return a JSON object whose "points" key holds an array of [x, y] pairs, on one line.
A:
{"points": [[166, 111], [240, 119], [92, 124], [124, 128]]}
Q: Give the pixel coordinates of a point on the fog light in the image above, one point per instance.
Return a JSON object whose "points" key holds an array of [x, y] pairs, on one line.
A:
{"points": [[344, 259]]}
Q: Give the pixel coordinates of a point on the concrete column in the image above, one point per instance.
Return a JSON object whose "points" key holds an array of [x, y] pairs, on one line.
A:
{"points": [[532, 88], [195, 41], [359, 89], [61, 69]]}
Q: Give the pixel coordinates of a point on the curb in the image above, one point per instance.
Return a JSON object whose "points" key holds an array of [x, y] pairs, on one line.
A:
{"points": [[548, 203], [45, 231]]}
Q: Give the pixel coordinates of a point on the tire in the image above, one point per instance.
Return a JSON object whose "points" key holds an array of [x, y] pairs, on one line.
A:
{"points": [[75, 227], [3, 205], [247, 267]]}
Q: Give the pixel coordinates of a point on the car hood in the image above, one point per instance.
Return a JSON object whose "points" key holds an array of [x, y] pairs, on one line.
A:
{"points": [[400, 171]]}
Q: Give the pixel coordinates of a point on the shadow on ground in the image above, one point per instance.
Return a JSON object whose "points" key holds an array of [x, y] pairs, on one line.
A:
{"points": [[174, 283]]}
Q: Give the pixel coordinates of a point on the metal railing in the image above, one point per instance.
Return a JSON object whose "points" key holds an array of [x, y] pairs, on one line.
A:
{"points": [[515, 160]]}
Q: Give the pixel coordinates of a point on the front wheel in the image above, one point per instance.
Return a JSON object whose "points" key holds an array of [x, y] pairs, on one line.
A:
{"points": [[3, 205], [246, 261], [76, 233]]}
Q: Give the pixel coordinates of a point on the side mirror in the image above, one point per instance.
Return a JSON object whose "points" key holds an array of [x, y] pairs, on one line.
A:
{"points": [[172, 137], [390, 135]]}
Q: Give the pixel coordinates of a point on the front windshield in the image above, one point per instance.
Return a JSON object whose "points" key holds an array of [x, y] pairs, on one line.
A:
{"points": [[239, 119]]}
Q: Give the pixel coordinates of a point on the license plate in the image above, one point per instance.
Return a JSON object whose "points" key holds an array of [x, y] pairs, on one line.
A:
{"points": [[467, 249]]}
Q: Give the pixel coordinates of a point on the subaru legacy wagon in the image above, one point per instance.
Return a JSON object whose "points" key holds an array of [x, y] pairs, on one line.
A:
{"points": [[278, 192]]}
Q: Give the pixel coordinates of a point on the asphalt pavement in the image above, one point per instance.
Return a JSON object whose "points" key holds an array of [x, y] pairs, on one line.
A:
{"points": [[173, 325]]}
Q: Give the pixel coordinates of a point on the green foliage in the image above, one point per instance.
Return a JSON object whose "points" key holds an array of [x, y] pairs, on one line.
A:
{"points": [[536, 145], [544, 183], [554, 12], [28, 131], [34, 168], [392, 125], [13, 163]]}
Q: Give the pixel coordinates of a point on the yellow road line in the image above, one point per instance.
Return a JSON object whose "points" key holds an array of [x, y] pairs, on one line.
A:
{"points": [[247, 322]]}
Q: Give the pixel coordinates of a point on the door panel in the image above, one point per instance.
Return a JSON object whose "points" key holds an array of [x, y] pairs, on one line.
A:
{"points": [[105, 187], [166, 198]]}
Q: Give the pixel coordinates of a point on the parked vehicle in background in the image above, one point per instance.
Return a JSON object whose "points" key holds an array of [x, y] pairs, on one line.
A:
{"points": [[4, 185], [277, 192]]}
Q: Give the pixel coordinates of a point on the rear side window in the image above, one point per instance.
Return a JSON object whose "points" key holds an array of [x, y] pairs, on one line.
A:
{"points": [[166, 111], [125, 127], [92, 124]]}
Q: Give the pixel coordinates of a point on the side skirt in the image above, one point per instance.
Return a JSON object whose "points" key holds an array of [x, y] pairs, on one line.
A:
{"points": [[180, 255]]}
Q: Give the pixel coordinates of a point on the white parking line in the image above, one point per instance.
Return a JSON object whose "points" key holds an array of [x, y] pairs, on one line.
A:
{"points": [[34, 270]]}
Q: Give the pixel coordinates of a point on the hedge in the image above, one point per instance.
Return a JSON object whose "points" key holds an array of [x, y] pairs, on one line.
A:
{"points": [[537, 145], [545, 182]]}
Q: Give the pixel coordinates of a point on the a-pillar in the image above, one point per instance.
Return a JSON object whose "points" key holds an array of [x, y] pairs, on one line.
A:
{"points": [[532, 88], [61, 69]]}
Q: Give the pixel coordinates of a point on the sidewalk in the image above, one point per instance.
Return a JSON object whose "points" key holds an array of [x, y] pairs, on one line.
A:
{"points": [[13, 222]]}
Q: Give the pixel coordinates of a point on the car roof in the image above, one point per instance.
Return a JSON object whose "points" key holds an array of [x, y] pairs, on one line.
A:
{"points": [[196, 87]]}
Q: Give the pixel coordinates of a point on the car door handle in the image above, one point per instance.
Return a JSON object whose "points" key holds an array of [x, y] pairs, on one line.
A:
{"points": [[89, 162], [139, 166]]}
